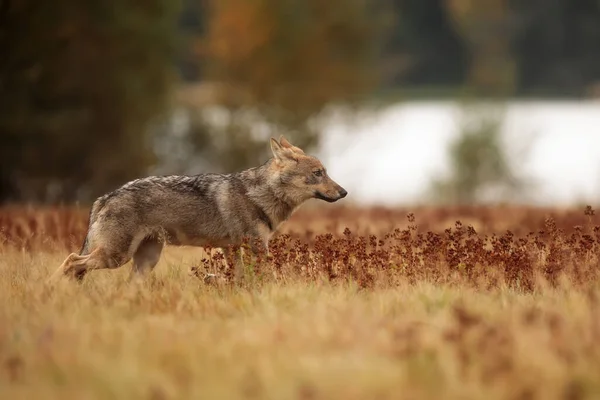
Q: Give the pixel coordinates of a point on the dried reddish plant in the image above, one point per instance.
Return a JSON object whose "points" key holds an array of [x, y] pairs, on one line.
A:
{"points": [[516, 247]]}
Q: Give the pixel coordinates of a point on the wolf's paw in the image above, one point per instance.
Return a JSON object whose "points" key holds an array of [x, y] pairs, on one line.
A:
{"points": [[213, 279], [195, 271], [206, 277]]}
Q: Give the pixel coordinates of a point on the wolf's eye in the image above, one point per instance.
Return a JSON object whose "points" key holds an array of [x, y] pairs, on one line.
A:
{"points": [[318, 173]]}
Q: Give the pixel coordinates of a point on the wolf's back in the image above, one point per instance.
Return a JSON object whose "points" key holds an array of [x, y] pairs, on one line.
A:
{"points": [[154, 198]]}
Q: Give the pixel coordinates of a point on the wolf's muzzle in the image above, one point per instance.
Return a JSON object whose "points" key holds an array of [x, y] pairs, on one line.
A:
{"points": [[341, 194]]}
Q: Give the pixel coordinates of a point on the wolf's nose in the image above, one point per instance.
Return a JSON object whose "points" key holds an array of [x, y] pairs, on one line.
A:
{"points": [[343, 193]]}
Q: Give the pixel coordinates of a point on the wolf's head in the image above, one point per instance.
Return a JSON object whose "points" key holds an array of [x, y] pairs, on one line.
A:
{"points": [[302, 176]]}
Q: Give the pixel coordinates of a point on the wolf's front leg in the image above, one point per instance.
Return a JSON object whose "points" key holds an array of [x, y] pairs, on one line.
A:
{"points": [[256, 250], [233, 258], [259, 252], [262, 248]]}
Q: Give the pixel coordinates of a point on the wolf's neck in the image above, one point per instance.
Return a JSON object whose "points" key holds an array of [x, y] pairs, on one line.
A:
{"points": [[271, 198], [278, 208]]}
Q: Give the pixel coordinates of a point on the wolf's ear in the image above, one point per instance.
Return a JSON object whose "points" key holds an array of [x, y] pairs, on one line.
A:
{"points": [[284, 143], [277, 149], [280, 152]]}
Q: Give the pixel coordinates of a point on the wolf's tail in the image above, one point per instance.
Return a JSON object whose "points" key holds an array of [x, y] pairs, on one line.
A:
{"points": [[96, 207]]}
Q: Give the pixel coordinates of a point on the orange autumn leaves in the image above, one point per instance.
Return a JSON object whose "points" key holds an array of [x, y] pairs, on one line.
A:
{"points": [[238, 30], [298, 55]]}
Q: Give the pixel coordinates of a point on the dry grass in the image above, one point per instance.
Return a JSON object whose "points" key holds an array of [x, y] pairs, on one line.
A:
{"points": [[415, 314]]}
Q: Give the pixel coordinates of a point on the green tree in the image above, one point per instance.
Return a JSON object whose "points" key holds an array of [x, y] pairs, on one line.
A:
{"points": [[485, 29], [556, 46], [423, 47], [480, 168], [80, 82]]}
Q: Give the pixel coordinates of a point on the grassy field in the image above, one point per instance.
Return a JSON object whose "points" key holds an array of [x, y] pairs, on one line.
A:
{"points": [[356, 304]]}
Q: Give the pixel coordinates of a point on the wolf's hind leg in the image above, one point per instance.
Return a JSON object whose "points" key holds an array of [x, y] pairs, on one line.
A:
{"points": [[146, 257], [257, 246], [76, 266], [67, 266]]}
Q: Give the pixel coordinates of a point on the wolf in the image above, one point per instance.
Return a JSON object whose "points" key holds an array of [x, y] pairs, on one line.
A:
{"points": [[136, 220]]}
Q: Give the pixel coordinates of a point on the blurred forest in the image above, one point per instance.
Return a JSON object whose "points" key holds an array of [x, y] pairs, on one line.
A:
{"points": [[88, 89]]}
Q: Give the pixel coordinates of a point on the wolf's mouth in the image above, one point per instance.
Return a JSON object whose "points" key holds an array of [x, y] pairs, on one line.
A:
{"points": [[321, 196]]}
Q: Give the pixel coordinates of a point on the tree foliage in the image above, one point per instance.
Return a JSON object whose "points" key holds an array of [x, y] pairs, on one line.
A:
{"points": [[485, 29], [556, 45], [281, 63], [522, 47], [480, 166], [79, 83]]}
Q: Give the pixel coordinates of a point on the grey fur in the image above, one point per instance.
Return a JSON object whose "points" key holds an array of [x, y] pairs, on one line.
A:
{"points": [[216, 210]]}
